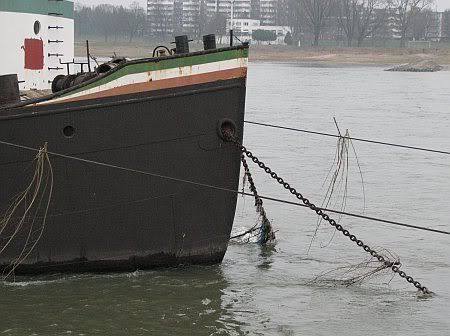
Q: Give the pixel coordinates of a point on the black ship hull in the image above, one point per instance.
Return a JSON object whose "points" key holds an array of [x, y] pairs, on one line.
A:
{"points": [[103, 218]]}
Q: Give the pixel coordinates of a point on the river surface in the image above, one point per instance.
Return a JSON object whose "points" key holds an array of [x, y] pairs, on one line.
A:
{"points": [[271, 291]]}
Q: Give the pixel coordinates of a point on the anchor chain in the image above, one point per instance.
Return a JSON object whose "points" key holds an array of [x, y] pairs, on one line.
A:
{"points": [[394, 266], [266, 233]]}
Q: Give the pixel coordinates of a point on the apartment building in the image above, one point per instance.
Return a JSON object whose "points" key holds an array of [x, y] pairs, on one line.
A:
{"points": [[268, 12], [239, 8], [160, 16], [169, 16]]}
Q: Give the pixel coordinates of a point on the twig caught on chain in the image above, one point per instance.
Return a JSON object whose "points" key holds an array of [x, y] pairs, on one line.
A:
{"points": [[339, 181]]}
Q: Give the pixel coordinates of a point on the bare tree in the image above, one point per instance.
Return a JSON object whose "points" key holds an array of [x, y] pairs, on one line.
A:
{"points": [[135, 20], [372, 16], [110, 21], [347, 15], [446, 26], [83, 17], [105, 23], [282, 12], [294, 19], [315, 13], [200, 19], [406, 11], [217, 25], [420, 24], [359, 19]]}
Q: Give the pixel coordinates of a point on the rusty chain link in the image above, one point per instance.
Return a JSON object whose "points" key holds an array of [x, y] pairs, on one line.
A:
{"points": [[394, 266]]}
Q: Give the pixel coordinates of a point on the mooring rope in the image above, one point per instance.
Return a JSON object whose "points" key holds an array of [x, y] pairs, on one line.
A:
{"points": [[204, 185], [350, 138]]}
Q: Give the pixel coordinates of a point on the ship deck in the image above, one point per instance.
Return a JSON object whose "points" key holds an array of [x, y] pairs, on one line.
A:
{"points": [[33, 94]]}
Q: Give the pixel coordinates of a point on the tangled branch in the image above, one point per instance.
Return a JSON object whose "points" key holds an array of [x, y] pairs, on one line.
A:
{"points": [[352, 274], [339, 180]]}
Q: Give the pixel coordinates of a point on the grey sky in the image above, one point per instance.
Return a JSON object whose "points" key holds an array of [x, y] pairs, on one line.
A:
{"points": [[440, 5]]}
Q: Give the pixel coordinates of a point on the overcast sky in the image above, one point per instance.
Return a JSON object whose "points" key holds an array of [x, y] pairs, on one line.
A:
{"points": [[440, 4]]}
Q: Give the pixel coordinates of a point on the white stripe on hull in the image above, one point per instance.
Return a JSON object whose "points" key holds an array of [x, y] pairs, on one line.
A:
{"points": [[157, 75]]}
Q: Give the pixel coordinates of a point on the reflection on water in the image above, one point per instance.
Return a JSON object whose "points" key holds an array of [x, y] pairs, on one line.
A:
{"points": [[266, 255], [185, 301], [269, 291]]}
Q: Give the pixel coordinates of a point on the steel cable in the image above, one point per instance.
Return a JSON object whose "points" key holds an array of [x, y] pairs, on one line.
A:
{"points": [[169, 178], [350, 138]]}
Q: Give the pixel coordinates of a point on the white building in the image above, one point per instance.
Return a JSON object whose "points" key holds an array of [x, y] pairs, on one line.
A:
{"points": [[35, 38], [240, 8], [169, 16], [160, 15], [244, 28]]}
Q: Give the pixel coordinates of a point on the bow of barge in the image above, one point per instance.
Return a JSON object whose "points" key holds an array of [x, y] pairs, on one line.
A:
{"points": [[130, 151]]}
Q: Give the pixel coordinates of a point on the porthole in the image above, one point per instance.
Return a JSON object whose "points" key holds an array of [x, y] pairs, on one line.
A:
{"points": [[68, 131], [37, 27]]}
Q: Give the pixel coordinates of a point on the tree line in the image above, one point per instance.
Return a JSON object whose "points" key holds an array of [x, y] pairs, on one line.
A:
{"points": [[348, 21], [355, 20], [110, 22]]}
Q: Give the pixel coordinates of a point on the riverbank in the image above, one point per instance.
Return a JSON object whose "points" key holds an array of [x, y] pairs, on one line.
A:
{"points": [[350, 55], [325, 55]]}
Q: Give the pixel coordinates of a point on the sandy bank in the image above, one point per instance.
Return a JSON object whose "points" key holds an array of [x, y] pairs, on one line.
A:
{"points": [[351, 55], [326, 55]]}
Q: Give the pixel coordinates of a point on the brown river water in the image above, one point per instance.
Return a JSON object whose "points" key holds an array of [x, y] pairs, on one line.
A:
{"points": [[269, 291]]}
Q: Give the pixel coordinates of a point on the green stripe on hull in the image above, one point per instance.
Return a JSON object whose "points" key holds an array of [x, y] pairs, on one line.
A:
{"points": [[167, 64], [41, 7]]}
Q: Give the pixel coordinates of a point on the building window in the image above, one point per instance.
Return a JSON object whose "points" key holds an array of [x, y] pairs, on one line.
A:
{"points": [[245, 23]]}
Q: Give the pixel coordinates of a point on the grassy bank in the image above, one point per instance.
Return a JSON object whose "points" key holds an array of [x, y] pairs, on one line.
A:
{"points": [[331, 55]]}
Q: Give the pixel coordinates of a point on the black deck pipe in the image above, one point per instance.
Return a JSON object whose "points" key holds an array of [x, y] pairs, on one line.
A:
{"points": [[181, 44], [209, 42], [9, 89]]}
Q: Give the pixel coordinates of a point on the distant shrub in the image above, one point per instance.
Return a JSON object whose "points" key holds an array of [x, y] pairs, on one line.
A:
{"points": [[288, 39], [264, 35]]}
